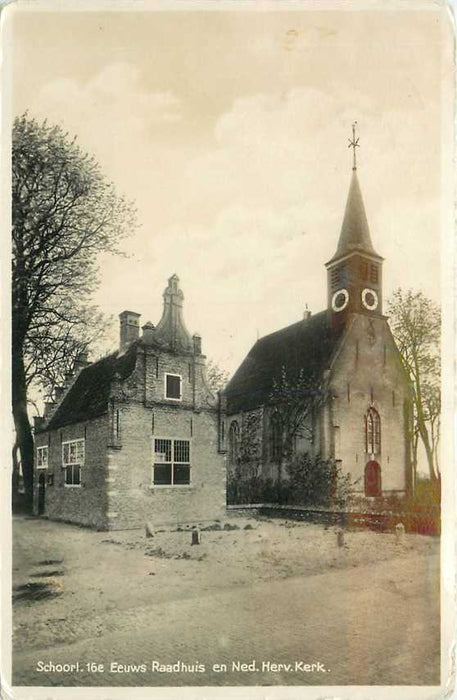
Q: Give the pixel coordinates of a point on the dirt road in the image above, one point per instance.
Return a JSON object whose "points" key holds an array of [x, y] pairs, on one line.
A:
{"points": [[345, 622]]}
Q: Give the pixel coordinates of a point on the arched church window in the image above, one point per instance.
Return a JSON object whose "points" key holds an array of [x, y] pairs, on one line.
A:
{"points": [[275, 438], [373, 479], [373, 432], [234, 442]]}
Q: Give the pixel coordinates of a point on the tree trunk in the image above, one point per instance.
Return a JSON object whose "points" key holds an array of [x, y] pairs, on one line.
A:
{"points": [[15, 476], [24, 436], [415, 447], [423, 432], [421, 425]]}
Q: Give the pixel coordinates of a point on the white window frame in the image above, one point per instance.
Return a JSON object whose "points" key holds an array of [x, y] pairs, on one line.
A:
{"points": [[42, 456], [172, 398], [172, 462], [78, 461]]}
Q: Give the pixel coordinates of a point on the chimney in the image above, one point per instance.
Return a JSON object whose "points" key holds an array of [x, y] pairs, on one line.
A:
{"points": [[306, 313], [129, 329], [38, 422], [49, 406], [197, 343], [80, 361], [148, 332], [68, 377]]}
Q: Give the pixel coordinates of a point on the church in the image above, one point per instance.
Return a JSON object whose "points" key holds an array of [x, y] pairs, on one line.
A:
{"points": [[348, 348], [135, 437]]}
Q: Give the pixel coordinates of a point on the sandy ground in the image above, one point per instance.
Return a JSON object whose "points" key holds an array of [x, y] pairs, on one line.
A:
{"points": [[255, 592]]}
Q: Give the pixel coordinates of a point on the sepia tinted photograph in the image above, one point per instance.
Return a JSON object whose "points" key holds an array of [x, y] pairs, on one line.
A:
{"points": [[227, 441]]}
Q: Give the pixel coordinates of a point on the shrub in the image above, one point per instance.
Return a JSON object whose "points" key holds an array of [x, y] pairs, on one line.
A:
{"points": [[311, 481], [317, 481]]}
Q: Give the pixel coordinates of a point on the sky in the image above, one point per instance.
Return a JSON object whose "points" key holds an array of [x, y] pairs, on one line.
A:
{"points": [[229, 129]]}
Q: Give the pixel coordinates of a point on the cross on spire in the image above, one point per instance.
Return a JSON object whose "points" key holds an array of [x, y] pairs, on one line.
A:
{"points": [[354, 143]]}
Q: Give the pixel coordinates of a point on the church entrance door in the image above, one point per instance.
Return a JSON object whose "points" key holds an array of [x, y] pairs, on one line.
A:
{"points": [[373, 479]]}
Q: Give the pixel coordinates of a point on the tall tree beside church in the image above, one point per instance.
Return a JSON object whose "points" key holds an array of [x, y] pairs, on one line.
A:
{"points": [[64, 213], [295, 399], [416, 325], [217, 377], [50, 356], [51, 353]]}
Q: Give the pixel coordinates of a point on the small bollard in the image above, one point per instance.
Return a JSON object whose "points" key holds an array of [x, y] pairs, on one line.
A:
{"points": [[340, 537], [196, 536], [399, 533], [149, 530]]}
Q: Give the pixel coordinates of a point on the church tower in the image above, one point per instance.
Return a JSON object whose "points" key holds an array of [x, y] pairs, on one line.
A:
{"points": [[354, 273]]}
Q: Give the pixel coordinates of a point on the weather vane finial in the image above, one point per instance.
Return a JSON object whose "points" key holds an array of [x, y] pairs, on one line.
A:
{"points": [[354, 143]]}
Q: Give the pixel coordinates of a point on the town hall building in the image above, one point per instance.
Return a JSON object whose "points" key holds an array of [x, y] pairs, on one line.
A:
{"points": [[135, 436], [348, 348]]}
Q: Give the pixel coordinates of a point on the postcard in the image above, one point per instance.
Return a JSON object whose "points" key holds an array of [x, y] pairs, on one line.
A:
{"points": [[227, 458]]}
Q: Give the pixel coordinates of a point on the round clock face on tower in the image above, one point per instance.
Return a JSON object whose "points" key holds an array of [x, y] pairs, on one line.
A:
{"points": [[370, 299], [340, 300]]}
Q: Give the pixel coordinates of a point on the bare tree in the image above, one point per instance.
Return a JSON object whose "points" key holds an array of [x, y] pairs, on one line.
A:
{"points": [[416, 326], [64, 213], [51, 353], [217, 378], [294, 401]]}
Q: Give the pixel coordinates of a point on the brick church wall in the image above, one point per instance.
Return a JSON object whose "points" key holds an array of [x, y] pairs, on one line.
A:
{"points": [[367, 372]]}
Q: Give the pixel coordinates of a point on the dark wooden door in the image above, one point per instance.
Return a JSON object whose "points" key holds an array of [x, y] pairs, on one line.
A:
{"points": [[41, 494]]}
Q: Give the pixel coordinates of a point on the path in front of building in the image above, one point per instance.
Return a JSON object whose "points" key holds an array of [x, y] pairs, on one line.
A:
{"points": [[365, 625]]}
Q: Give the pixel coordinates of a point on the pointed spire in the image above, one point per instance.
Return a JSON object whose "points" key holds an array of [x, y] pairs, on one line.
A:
{"points": [[355, 233], [171, 329]]}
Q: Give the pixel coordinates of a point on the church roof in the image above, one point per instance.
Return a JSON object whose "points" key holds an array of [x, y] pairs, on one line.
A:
{"points": [[88, 397], [307, 345], [355, 233]]}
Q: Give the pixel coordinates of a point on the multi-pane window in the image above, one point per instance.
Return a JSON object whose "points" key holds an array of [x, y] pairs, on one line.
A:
{"points": [[234, 442], [73, 456], [42, 457], [171, 462], [373, 432], [173, 386]]}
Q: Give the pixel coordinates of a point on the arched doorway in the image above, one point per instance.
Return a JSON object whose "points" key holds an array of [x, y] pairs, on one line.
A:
{"points": [[41, 493], [373, 479]]}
